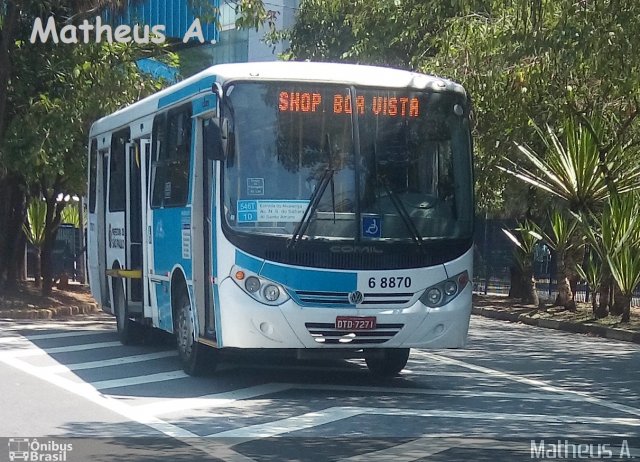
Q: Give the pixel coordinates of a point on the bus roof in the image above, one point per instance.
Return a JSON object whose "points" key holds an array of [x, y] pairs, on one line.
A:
{"points": [[348, 74]]}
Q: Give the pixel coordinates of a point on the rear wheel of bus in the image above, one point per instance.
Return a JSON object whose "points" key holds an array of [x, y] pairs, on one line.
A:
{"points": [[196, 358], [389, 362]]}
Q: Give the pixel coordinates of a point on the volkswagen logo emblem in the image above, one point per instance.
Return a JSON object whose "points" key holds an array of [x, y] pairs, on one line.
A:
{"points": [[356, 297]]}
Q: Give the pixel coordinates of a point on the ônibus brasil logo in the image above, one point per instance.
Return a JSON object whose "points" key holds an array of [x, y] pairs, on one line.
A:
{"points": [[32, 450]]}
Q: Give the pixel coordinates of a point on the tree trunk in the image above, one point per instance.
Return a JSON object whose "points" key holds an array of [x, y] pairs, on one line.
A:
{"points": [[7, 42], [605, 289], [530, 295], [625, 302], [565, 294], [619, 301], [12, 216], [37, 274], [52, 221], [516, 287]]}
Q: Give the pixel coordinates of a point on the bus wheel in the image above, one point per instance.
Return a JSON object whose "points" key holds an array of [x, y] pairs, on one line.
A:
{"points": [[390, 364], [129, 332], [196, 358]]}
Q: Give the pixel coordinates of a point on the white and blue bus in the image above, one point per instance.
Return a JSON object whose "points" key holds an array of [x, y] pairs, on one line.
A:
{"points": [[314, 207]]}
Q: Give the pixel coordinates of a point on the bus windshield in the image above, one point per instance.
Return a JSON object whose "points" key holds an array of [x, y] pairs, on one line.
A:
{"points": [[375, 164]]}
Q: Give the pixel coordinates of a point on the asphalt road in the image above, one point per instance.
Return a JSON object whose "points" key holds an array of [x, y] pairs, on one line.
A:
{"points": [[516, 393]]}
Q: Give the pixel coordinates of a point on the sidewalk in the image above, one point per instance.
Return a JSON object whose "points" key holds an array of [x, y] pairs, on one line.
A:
{"points": [[580, 322]]}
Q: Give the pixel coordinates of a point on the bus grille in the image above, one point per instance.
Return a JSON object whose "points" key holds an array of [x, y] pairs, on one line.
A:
{"points": [[320, 298], [399, 298], [308, 297], [327, 334]]}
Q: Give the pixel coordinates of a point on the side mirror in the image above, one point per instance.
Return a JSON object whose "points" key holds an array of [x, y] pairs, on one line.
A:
{"points": [[212, 140]]}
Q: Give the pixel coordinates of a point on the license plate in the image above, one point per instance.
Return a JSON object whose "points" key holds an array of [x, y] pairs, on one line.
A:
{"points": [[355, 322]]}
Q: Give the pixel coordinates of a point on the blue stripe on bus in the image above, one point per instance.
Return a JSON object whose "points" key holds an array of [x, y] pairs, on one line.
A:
{"points": [[308, 279], [190, 90], [248, 262], [297, 278], [204, 104]]}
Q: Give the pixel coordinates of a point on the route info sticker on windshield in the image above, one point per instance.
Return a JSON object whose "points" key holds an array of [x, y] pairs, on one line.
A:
{"points": [[280, 211]]}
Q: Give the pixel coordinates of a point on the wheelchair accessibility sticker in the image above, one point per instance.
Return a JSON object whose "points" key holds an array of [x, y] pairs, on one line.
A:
{"points": [[371, 226]]}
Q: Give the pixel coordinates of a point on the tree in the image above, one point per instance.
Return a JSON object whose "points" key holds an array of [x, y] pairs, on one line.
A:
{"points": [[527, 237], [519, 60], [559, 238]]}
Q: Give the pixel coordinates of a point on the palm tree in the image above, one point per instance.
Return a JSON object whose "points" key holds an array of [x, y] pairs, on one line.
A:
{"points": [[574, 171], [616, 239], [585, 174], [592, 272], [560, 240], [528, 235], [34, 229]]}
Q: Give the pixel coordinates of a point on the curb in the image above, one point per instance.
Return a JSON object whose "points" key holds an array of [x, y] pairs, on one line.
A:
{"points": [[576, 328], [50, 313]]}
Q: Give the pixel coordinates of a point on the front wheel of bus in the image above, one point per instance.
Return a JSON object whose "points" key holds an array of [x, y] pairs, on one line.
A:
{"points": [[129, 332], [390, 363], [196, 358]]}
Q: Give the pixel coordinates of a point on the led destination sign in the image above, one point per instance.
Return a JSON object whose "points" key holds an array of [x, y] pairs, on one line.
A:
{"points": [[391, 106]]}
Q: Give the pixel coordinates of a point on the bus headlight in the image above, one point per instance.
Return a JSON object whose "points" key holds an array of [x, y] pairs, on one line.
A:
{"points": [[271, 293], [450, 288], [434, 296], [442, 293], [261, 289], [252, 284]]}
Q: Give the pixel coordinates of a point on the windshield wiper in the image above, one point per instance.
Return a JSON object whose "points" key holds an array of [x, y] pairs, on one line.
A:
{"points": [[314, 200], [408, 222]]}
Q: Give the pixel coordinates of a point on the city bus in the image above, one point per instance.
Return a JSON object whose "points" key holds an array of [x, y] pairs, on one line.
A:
{"points": [[324, 209]]}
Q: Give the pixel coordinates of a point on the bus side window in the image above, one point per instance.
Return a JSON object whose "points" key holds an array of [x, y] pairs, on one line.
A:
{"points": [[93, 168], [117, 172], [212, 140], [171, 180], [158, 145]]}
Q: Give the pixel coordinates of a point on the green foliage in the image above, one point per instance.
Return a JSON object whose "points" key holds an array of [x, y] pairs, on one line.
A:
{"points": [[527, 236], [573, 171], [34, 228], [71, 215], [562, 231], [591, 272], [519, 60]]}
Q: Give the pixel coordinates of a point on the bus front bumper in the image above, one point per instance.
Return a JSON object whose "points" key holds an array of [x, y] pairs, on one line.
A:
{"points": [[247, 323]]}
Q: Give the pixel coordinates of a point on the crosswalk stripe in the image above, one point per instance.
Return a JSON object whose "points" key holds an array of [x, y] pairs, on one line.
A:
{"points": [[55, 350], [139, 380], [110, 362], [212, 400], [314, 419]]}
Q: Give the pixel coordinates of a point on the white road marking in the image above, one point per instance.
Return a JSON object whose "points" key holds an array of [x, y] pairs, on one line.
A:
{"points": [[288, 425], [212, 401], [89, 393], [30, 338], [139, 380], [453, 393], [313, 419], [35, 351], [217, 400], [110, 362], [546, 386]]}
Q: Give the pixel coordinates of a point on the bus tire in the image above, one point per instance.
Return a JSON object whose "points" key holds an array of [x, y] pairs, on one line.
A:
{"points": [[197, 359], [129, 331], [393, 360]]}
